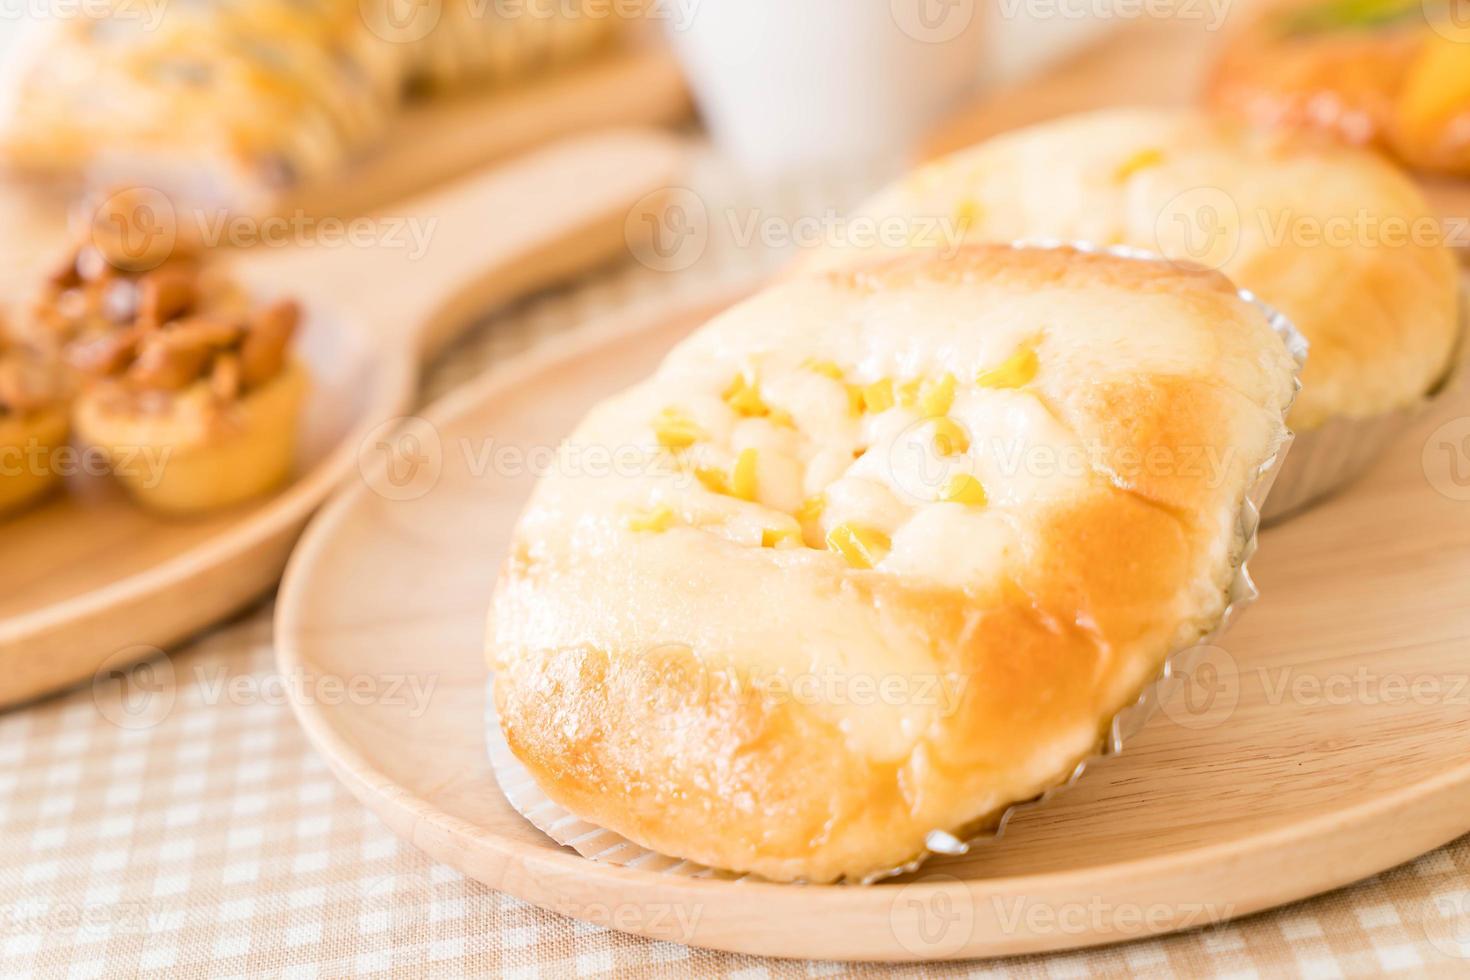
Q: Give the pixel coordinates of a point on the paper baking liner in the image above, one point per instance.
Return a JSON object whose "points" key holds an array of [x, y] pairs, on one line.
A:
{"points": [[1327, 459], [600, 844]]}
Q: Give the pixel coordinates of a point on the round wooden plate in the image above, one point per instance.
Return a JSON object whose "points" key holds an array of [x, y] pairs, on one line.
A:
{"points": [[89, 582], [1328, 740]]}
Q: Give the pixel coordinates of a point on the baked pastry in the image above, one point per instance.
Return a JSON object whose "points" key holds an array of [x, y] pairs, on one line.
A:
{"points": [[186, 387], [1335, 238], [231, 102], [839, 608], [33, 424], [470, 44], [198, 412], [1393, 74], [238, 102]]}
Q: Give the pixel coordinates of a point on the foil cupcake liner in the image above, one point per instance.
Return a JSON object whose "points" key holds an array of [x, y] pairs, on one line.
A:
{"points": [[1330, 457], [597, 843]]}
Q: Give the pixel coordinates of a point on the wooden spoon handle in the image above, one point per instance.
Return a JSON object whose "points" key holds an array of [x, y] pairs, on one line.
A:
{"points": [[414, 274]]}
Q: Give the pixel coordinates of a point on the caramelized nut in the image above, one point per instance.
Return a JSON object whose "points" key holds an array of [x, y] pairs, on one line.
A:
{"points": [[208, 332], [163, 362], [65, 275], [164, 295], [102, 353], [263, 354], [224, 379]]}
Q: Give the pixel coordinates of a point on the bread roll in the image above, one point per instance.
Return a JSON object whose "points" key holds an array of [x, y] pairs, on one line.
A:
{"points": [[1335, 238], [886, 550]]}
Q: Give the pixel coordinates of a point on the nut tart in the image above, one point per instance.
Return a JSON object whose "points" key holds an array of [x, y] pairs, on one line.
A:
{"points": [[202, 412], [888, 549]]}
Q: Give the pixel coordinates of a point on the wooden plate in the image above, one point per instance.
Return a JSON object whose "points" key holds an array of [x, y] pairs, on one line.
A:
{"points": [[1161, 62], [1331, 740], [90, 582]]}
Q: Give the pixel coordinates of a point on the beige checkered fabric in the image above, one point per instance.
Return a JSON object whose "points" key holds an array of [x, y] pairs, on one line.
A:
{"points": [[204, 837]]}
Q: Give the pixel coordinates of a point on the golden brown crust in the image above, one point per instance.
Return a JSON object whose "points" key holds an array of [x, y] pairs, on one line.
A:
{"points": [[780, 710]]}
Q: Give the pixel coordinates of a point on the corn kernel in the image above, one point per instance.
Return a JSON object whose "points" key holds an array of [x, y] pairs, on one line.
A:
{"points": [[963, 488], [878, 396], [744, 396], [1141, 160], [659, 518], [772, 537], [908, 393], [854, 398], [936, 396], [862, 547], [950, 438], [827, 369], [811, 509], [968, 213], [781, 417], [742, 480], [675, 430], [714, 480], [1014, 372]]}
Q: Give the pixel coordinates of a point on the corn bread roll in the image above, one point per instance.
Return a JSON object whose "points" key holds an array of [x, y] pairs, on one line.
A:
{"points": [[899, 543], [1335, 238]]}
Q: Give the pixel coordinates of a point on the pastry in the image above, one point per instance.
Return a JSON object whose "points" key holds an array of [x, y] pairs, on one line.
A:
{"points": [[228, 102], [905, 538], [196, 410], [1392, 74], [237, 103], [1335, 238], [33, 424], [475, 43], [187, 388]]}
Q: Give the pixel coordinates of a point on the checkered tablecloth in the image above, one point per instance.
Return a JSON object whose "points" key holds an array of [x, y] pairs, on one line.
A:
{"points": [[213, 841]]}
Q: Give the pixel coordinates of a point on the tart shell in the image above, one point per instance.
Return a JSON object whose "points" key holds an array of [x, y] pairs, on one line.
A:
{"points": [[173, 464]]}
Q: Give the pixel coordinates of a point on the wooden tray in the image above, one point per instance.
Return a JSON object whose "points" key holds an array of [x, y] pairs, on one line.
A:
{"points": [[1161, 62], [1331, 740], [89, 582]]}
